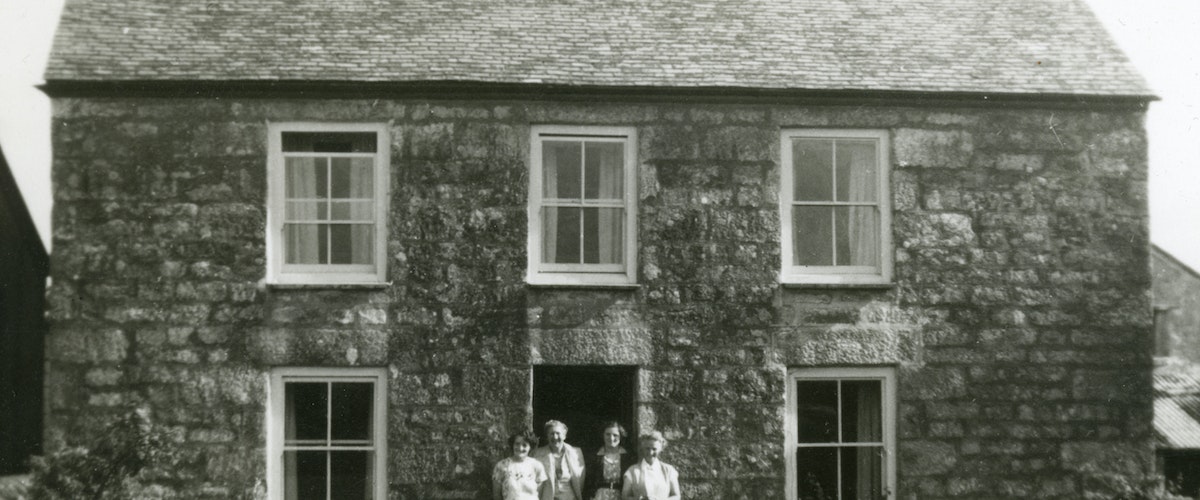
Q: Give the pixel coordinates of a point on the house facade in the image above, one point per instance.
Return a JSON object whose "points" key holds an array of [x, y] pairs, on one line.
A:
{"points": [[346, 253]]}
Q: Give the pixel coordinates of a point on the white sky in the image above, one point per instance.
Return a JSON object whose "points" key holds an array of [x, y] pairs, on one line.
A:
{"points": [[1162, 37]]}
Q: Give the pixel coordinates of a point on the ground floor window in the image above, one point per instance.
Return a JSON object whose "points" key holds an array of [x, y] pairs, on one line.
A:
{"points": [[840, 433], [327, 434]]}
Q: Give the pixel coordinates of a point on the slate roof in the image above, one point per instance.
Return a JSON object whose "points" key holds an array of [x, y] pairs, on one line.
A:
{"points": [[984, 46], [1175, 424], [1176, 408]]}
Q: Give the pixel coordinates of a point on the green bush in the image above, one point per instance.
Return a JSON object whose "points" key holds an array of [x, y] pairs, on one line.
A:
{"points": [[1150, 487], [111, 467]]}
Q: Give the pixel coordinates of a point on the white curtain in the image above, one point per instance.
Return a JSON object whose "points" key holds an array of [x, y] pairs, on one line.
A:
{"points": [[302, 241], [369, 485], [549, 214], [289, 459], [610, 221], [362, 187], [869, 478], [864, 239]]}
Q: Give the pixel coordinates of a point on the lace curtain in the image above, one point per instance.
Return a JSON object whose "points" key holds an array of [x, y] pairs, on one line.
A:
{"points": [[315, 196], [582, 234]]}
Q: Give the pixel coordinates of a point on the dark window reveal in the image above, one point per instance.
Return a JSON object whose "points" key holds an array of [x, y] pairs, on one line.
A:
{"points": [[329, 142]]}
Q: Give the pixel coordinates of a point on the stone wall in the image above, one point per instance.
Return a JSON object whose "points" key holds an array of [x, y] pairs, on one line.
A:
{"points": [[1018, 322], [1177, 300]]}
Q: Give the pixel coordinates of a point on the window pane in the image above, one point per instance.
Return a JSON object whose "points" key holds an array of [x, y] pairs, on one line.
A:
{"points": [[813, 236], [352, 178], [351, 243], [305, 243], [604, 170], [856, 170], [857, 236], [816, 473], [329, 142], [350, 478], [352, 210], [861, 413], [561, 162], [812, 176], [306, 210], [305, 177], [602, 235], [862, 473], [305, 406], [560, 235], [351, 410], [304, 474], [816, 411]]}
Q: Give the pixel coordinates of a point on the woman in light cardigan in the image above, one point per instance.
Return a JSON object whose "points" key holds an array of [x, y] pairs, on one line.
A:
{"points": [[650, 478], [563, 462]]}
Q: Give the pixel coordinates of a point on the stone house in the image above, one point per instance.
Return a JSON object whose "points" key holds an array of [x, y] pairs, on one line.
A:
{"points": [[836, 249], [1176, 300], [24, 266], [1176, 292]]}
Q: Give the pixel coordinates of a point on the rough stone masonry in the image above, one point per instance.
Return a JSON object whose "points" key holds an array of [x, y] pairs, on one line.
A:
{"points": [[1018, 320]]}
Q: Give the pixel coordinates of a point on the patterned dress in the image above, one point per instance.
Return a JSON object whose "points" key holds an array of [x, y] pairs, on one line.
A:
{"points": [[519, 480], [611, 474]]}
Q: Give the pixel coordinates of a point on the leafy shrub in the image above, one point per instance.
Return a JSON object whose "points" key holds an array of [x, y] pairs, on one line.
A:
{"points": [[111, 467]]}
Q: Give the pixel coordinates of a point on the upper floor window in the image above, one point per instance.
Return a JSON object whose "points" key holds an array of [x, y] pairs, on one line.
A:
{"points": [[328, 202], [840, 433], [582, 209], [835, 207]]}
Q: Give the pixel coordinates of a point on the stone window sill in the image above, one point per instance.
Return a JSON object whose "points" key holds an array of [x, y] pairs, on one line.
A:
{"points": [[329, 286], [583, 286], [838, 286]]}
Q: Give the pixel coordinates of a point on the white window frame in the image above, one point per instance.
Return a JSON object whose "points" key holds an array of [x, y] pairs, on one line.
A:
{"points": [[835, 275], [539, 273], [279, 272], [888, 408], [276, 413]]}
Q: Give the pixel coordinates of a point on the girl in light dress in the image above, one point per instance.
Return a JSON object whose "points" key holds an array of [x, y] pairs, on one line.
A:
{"points": [[519, 477]]}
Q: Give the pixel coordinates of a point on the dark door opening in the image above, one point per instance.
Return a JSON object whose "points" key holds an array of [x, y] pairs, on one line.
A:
{"points": [[1181, 469], [584, 398]]}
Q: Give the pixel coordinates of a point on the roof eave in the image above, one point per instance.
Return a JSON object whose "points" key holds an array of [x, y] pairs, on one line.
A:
{"points": [[320, 89]]}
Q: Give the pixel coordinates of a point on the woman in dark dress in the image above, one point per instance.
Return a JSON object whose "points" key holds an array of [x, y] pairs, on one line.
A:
{"points": [[606, 465]]}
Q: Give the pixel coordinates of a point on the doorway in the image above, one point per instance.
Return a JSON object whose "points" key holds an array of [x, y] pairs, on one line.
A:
{"points": [[585, 398]]}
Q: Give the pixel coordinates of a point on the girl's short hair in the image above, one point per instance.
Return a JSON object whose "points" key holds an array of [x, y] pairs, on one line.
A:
{"points": [[527, 436], [620, 428]]}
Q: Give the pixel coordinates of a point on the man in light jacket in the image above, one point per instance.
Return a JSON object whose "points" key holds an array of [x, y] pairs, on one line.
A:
{"points": [[563, 462]]}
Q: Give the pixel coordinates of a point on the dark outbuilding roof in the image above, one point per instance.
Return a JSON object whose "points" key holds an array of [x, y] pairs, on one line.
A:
{"points": [[974, 46]]}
